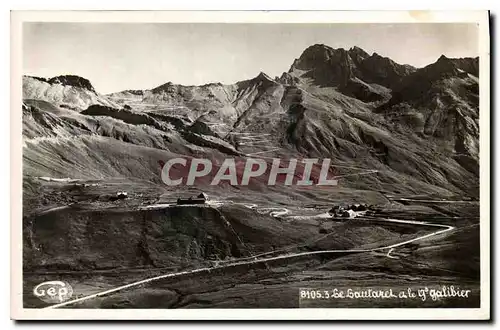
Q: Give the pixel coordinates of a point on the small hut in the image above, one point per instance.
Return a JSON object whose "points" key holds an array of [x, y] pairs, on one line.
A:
{"points": [[200, 199], [203, 196]]}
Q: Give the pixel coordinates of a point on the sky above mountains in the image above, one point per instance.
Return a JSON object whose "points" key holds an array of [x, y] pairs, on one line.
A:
{"points": [[118, 56]]}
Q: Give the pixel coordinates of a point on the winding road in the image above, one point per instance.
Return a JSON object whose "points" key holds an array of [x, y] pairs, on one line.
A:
{"points": [[256, 259]]}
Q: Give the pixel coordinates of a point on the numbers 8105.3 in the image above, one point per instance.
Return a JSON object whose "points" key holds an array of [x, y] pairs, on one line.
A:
{"points": [[314, 294]]}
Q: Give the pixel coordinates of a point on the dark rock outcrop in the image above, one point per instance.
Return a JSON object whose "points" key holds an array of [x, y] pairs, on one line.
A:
{"points": [[337, 67], [70, 80]]}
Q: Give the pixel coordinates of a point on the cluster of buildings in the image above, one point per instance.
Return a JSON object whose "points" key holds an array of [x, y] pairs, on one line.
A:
{"points": [[349, 211]]}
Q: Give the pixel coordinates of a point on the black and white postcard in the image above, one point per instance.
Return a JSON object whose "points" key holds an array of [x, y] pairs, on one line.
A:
{"points": [[250, 165]]}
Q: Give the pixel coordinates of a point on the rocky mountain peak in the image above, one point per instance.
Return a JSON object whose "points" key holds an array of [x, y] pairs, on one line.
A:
{"points": [[443, 67], [72, 80], [383, 60], [36, 78], [168, 87], [325, 66], [467, 64], [318, 54], [442, 58], [316, 49], [264, 77], [358, 54], [439, 78]]}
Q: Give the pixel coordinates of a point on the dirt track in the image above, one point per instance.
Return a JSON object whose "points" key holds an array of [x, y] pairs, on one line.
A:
{"points": [[261, 259]]}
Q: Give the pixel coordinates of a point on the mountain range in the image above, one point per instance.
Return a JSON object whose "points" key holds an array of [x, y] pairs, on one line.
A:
{"points": [[387, 127]]}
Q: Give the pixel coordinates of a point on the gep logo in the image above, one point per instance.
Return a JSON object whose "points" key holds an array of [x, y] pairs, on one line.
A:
{"points": [[53, 291]]}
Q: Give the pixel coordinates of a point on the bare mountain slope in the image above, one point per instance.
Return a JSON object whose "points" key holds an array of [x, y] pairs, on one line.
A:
{"points": [[386, 126], [353, 71], [67, 91], [441, 102]]}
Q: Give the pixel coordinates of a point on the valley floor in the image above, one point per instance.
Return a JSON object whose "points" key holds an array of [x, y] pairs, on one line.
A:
{"points": [[269, 253]]}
